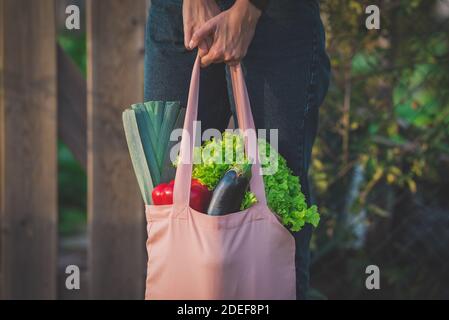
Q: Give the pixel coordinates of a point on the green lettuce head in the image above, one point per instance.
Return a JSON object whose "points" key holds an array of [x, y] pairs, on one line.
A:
{"points": [[282, 188]]}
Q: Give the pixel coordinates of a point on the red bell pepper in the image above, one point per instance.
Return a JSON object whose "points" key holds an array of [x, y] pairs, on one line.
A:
{"points": [[163, 194], [199, 195]]}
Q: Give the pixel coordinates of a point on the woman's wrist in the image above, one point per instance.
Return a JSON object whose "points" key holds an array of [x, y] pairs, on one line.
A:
{"points": [[249, 10]]}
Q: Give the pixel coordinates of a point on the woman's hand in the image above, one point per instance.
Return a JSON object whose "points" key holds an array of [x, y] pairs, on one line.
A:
{"points": [[195, 14], [232, 31]]}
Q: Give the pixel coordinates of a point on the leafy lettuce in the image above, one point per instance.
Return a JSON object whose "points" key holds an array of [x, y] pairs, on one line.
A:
{"points": [[282, 188]]}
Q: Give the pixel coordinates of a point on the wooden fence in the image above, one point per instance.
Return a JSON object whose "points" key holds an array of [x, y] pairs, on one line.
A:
{"points": [[43, 95]]}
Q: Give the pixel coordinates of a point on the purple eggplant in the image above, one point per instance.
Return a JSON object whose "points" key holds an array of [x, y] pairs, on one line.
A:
{"points": [[230, 191]]}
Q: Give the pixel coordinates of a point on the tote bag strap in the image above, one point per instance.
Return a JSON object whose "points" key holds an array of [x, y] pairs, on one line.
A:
{"points": [[181, 192]]}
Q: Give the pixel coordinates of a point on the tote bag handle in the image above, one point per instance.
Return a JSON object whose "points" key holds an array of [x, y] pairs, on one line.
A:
{"points": [[181, 192]]}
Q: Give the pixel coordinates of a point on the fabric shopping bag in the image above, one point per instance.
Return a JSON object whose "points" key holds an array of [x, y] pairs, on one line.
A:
{"points": [[194, 256]]}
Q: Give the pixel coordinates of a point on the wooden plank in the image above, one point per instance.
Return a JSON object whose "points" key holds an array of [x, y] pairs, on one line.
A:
{"points": [[2, 149], [72, 104], [28, 133], [117, 258]]}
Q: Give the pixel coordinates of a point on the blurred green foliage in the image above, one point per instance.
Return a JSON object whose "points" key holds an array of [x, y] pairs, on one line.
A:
{"points": [[383, 151], [74, 44], [72, 180]]}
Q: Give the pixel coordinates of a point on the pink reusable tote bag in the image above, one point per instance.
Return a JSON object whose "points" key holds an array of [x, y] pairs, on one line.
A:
{"points": [[193, 256]]}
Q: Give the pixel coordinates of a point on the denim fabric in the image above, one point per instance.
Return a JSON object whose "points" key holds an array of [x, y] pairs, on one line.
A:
{"points": [[287, 74]]}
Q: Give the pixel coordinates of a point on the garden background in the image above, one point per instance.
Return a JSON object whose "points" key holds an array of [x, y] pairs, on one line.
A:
{"points": [[380, 163]]}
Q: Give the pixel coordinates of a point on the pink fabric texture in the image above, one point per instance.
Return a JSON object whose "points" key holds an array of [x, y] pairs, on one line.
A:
{"points": [[193, 256]]}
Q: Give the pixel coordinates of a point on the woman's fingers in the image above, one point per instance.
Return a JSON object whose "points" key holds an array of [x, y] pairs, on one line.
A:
{"points": [[214, 55], [187, 37], [187, 24], [202, 33], [203, 47], [194, 14]]}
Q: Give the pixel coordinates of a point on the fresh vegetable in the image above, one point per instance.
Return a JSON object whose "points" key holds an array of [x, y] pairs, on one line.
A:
{"points": [[230, 191], [199, 195], [282, 188], [137, 153], [284, 196], [149, 141], [148, 127], [163, 193]]}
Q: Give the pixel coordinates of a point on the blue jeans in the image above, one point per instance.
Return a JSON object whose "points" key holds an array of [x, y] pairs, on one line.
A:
{"points": [[287, 74]]}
